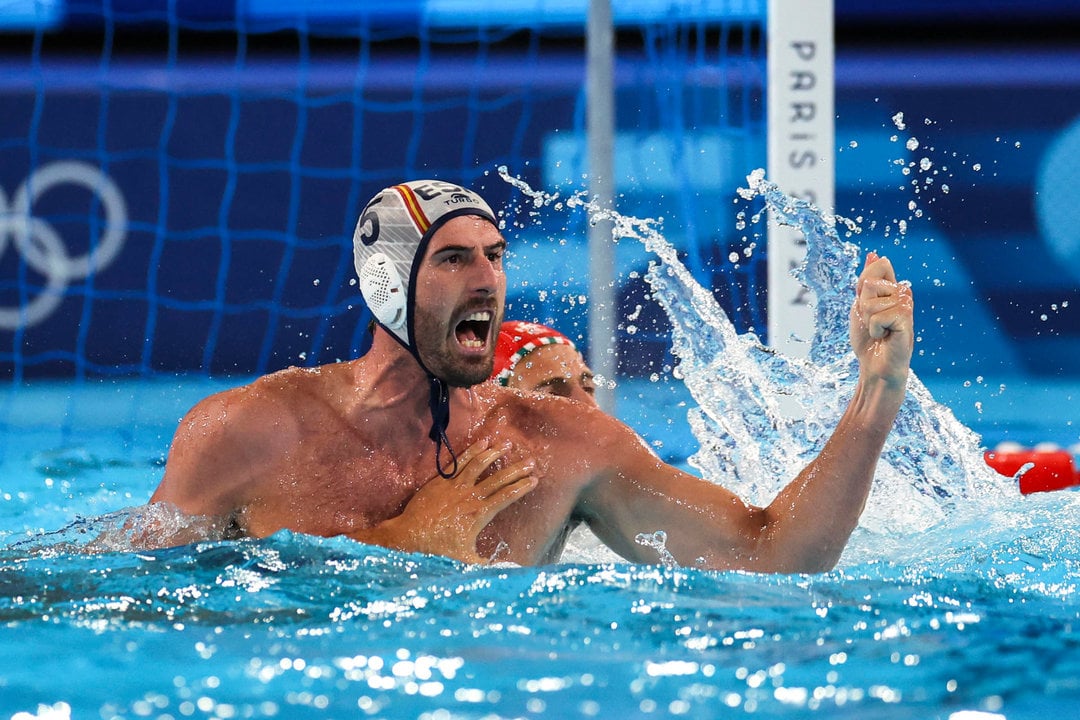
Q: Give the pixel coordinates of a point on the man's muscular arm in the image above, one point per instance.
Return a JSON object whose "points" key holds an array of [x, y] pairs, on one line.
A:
{"points": [[210, 460], [807, 525]]}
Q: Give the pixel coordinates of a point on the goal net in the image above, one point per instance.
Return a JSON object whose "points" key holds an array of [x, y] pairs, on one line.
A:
{"points": [[179, 181]]}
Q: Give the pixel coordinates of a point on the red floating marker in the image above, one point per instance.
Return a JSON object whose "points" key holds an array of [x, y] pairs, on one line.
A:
{"points": [[1051, 469]]}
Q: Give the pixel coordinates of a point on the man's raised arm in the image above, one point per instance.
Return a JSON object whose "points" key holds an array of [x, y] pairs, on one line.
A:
{"points": [[808, 523]]}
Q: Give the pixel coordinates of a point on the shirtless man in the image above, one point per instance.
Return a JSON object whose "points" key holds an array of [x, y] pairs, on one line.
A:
{"points": [[365, 448]]}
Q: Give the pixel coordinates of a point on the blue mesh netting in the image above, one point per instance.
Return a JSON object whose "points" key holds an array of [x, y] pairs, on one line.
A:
{"points": [[179, 182]]}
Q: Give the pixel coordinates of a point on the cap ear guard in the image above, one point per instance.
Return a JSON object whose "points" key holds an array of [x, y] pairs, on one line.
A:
{"points": [[383, 291]]}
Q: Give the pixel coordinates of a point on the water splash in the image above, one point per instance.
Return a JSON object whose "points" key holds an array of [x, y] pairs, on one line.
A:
{"points": [[658, 542], [761, 416], [122, 530]]}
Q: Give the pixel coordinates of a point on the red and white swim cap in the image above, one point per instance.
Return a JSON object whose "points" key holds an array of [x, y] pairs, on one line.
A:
{"points": [[516, 340]]}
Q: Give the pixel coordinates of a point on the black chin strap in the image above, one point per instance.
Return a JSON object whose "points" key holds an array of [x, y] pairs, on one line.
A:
{"points": [[439, 402]]}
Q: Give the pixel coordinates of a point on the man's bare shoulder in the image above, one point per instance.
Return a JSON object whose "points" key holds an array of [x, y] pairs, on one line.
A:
{"points": [[234, 431], [285, 385], [267, 405], [554, 415]]}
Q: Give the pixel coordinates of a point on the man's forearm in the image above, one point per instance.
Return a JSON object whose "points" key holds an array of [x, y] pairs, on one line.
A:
{"points": [[809, 522]]}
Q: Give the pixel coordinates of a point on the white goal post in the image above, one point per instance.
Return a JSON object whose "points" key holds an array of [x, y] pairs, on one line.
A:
{"points": [[801, 152]]}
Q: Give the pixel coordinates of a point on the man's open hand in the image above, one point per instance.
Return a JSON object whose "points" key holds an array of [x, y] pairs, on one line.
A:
{"points": [[446, 515]]}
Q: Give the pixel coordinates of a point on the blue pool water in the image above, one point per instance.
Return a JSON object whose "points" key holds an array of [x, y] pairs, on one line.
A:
{"points": [[956, 598]]}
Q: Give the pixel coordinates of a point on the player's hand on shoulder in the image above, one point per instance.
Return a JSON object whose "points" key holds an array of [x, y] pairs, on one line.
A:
{"points": [[446, 515]]}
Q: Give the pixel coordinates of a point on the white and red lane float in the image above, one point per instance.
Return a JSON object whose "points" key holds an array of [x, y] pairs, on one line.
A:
{"points": [[1049, 467]]}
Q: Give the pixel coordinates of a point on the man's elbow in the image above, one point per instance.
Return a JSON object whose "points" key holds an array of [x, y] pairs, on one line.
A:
{"points": [[789, 555]]}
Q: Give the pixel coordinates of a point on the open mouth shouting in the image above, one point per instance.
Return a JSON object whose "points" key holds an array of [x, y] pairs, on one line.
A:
{"points": [[474, 332]]}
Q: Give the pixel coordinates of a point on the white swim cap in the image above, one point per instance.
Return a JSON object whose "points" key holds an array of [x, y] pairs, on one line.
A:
{"points": [[392, 236]]}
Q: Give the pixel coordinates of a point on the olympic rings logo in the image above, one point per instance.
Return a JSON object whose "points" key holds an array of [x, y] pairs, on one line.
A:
{"points": [[40, 245]]}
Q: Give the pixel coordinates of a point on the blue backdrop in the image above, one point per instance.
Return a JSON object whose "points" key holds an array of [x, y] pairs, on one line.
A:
{"points": [[958, 161]]}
